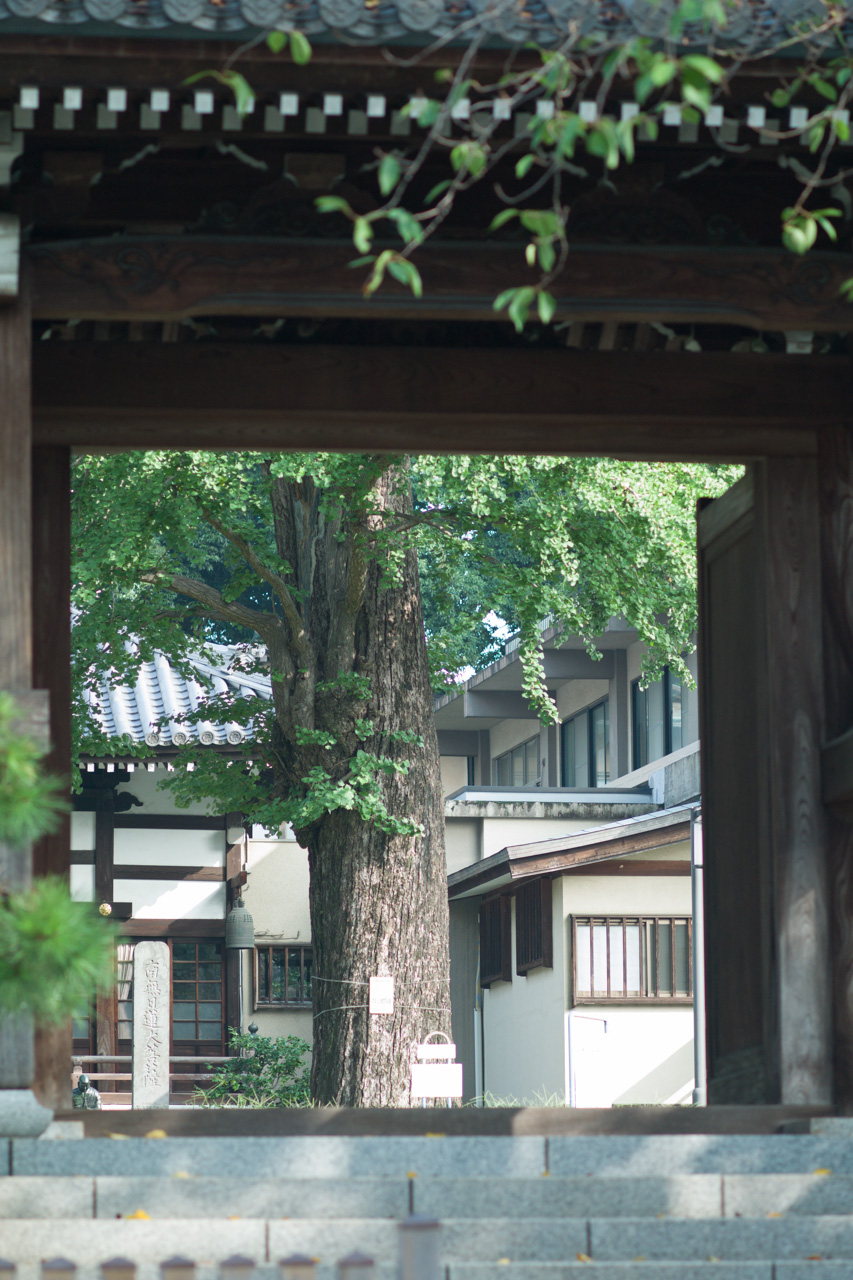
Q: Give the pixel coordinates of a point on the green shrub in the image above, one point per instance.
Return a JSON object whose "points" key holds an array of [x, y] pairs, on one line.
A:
{"points": [[273, 1073]]}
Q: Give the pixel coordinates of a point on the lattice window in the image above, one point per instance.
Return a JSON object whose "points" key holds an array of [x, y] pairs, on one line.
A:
{"points": [[495, 940], [534, 944], [283, 975], [632, 958]]}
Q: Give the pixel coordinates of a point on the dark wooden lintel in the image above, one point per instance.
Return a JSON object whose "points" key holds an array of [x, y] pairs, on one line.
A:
{"points": [[167, 822], [598, 856], [141, 928], [623, 403], [151, 278], [128, 871]]}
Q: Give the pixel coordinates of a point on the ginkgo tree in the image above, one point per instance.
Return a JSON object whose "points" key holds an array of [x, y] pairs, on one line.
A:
{"points": [[315, 558]]}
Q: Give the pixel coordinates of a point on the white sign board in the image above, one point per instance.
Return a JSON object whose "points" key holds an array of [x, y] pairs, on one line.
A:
{"points": [[436, 1079], [381, 997], [151, 987]]}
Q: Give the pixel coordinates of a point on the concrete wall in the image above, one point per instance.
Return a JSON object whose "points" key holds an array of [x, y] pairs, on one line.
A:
{"points": [[463, 842], [454, 773]]}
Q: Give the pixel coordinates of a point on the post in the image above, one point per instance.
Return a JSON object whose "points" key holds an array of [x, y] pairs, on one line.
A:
{"points": [[419, 1248], [151, 992], [697, 869], [20, 1113], [835, 462], [51, 560], [797, 819]]}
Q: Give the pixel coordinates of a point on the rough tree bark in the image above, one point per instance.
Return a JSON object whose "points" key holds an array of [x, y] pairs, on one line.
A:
{"points": [[378, 900]]}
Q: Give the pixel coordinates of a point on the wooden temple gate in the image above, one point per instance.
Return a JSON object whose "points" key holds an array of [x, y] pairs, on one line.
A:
{"points": [[177, 290]]}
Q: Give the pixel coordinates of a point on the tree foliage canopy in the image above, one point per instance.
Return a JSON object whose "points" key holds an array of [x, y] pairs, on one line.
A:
{"points": [[573, 540]]}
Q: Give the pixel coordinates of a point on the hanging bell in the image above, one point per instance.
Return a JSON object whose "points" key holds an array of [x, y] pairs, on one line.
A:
{"points": [[239, 928]]}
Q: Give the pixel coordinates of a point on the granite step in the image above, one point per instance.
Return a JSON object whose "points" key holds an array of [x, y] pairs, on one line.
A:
{"points": [[494, 1157], [705, 1196]]}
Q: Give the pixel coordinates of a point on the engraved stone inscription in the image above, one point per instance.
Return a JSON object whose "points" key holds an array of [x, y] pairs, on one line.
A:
{"points": [[151, 982]]}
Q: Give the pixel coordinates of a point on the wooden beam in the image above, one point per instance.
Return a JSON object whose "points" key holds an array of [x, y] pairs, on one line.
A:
{"points": [[623, 403], [167, 822], [142, 928], [128, 871], [167, 278], [620, 847]]}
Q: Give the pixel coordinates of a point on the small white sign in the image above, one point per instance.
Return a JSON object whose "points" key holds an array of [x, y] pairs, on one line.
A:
{"points": [[436, 1052], [436, 1079], [381, 997]]}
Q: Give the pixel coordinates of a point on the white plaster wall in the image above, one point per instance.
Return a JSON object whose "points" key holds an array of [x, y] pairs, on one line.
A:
{"points": [[523, 1025], [454, 773], [625, 1055], [462, 842], [82, 831], [83, 884], [169, 848], [277, 891], [577, 694], [630, 895], [498, 833], [172, 899], [143, 785]]}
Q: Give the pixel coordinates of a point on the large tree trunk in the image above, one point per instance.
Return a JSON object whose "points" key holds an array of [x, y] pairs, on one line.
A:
{"points": [[378, 901]]}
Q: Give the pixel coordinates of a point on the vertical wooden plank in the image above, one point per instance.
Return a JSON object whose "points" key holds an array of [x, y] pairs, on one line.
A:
{"points": [[740, 1018], [795, 732], [51, 628], [835, 463], [16, 1038]]}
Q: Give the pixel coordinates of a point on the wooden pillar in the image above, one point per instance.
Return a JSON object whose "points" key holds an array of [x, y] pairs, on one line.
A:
{"points": [[835, 459], [16, 1054], [795, 733], [51, 558]]}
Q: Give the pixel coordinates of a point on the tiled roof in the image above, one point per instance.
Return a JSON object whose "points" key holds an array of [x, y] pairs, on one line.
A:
{"points": [[149, 711], [751, 23]]}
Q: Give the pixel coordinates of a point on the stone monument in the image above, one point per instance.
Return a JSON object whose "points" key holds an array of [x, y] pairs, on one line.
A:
{"points": [[151, 985]]}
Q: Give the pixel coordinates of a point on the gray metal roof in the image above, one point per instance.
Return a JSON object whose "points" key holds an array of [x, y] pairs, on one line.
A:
{"points": [[149, 710], [756, 24]]}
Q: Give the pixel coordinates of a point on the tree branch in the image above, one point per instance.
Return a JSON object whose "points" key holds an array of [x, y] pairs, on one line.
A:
{"points": [[211, 600], [279, 586]]}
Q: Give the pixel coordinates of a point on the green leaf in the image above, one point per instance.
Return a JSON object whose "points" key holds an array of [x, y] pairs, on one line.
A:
{"points": [[547, 255], [407, 273], [546, 305], [332, 204], [824, 88], [503, 298], [519, 308], [662, 71], [300, 48], [706, 67], [525, 164], [362, 235], [276, 41], [438, 190], [407, 225], [780, 97], [389, 174], [816, 135]]}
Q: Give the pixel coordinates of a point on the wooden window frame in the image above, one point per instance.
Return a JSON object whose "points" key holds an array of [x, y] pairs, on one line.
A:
{"points": [[258, 1001], [534, 931], [655, 997], [496, 915]]}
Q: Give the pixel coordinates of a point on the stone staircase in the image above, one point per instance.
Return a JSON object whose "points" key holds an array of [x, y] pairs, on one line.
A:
{"points": [[662, 1207]]}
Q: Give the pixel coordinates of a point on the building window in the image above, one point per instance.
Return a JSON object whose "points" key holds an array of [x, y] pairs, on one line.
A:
{"points": [[632, 958], [519, 767], [586, 747], [283, 975], [198, 995], [495, 940], [533, 932], [658, 718]]}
